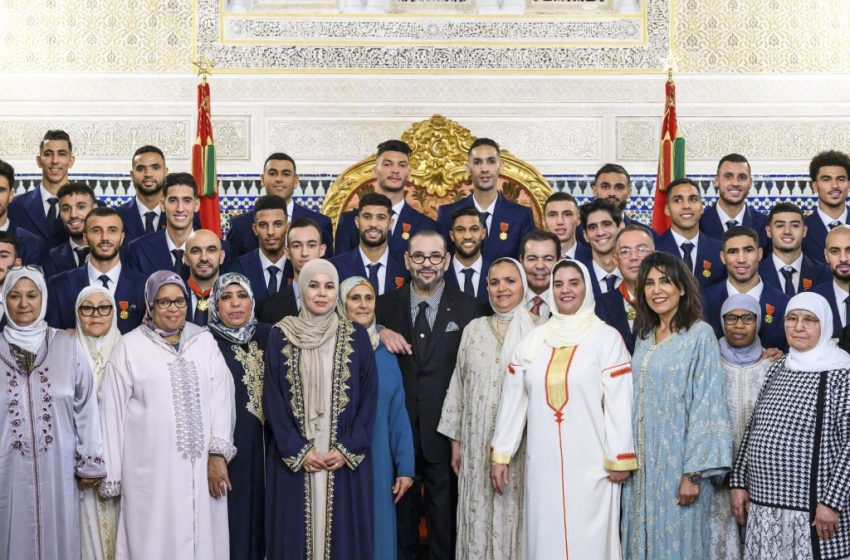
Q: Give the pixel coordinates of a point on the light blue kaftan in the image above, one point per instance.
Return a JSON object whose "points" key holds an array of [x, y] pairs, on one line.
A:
{"points": [[681, 425]]}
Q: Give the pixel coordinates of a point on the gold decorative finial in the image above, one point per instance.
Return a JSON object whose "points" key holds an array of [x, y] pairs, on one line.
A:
{"points": [[204, 66]]}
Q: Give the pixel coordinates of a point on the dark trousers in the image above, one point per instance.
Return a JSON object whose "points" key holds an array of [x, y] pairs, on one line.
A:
{"points": [[439, 505]]}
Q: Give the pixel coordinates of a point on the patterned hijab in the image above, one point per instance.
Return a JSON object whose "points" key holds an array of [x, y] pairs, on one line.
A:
{"points": [[32, 336], [344, 289], [156, 281], [752, 353], [520, 319], [826, 355], [240, 335], [98, 348]]}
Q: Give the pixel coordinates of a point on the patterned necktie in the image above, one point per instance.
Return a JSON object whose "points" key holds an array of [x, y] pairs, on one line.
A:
{"points": [[373, 275], [610, 280], [834, 224], [104, 279], [178, 261], [272, 287], [788, 273], [149, 218], [687, 249], [82, 253], [731, 223], [53, 222], [536, 302], [468, 287]]}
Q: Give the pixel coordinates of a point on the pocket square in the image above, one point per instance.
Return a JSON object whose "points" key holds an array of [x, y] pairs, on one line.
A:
{"points": [[452, 327]]}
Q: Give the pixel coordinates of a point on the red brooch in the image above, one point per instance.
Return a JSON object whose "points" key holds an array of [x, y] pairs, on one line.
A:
{"points": [[807, 284], [706, 268], [769, 310], [405, 231], [399, 281], [124, 305], [503, 227]]}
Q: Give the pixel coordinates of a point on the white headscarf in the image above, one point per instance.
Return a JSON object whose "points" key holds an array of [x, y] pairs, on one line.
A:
{"points": [[826, 355], [567, 330], [521, 321], [97, 348], [31, 337]]}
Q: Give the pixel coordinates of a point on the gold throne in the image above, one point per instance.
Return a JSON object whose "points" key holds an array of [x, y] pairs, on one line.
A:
{"points": [[438, 174]]}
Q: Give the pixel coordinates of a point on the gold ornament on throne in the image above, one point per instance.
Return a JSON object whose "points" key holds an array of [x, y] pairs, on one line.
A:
{"points": [[438, 175]]}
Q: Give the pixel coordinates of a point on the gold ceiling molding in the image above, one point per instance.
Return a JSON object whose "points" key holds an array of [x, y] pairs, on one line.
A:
{"points": [[438, 173]]}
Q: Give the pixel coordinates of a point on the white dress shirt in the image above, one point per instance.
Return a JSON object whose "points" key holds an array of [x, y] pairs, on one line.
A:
{"points": [[265, 263], [840, 296], [74, 246], [600, 274], [755, 291], [827, 220], [458, 268], [382, 270], [172, 246], [795, 278], [113, 274], [724, 217], [491, 209], [679, 240], [45, 200], [545, 307], [297, 293], [396, 212], [571, 252], [157, 209]]}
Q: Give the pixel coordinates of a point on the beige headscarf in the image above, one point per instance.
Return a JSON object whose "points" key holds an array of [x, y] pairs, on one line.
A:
{"points": [[520, 320], [309, 333], [98, 348], [567, 330]]}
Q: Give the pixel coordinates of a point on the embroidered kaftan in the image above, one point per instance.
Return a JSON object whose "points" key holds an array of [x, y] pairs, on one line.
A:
{"points": [[164, 412], [742, 389], [681, 425], [489, 526], [577, 402], [50, 435]]}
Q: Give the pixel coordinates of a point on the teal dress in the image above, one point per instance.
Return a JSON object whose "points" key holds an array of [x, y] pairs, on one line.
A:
{"points": [[392, 450], [681, 425]]}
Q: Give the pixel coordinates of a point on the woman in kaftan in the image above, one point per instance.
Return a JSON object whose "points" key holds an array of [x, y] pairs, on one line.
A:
{"points": [[393, 465], [319, 396], [489, 526], [167, 409], [569, 380], [791, 481], [51, 439], [242, 342], [680, 419], [743, 364], [97, 332]]}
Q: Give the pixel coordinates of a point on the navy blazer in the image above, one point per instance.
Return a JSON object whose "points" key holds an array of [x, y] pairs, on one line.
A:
{"points": [[276, 307], [707, 258], [772, 331], [610, 308], [60, 259], [27, 211], [409, 220], [242, 240], [710, 225], [586, 258], [828, 292], [627, 221], [517, 219], [32, 249], [351, 264], [812, 274], [150, 253], [134, 226], [63, 291], [815, 240], [451, 280], [249, 264]]}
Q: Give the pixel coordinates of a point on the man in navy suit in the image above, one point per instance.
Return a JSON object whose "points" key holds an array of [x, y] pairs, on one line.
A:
{"points": [[538, 254], [391, 174], [203, 258], [837, 289], [143, 214], [76, 200], [741, 254], [37, 211], [601, 219], [279, 178], [266, 266], [104, 233], [787, 269], [371, 259], [734, 181], [164, 248], [700, 252], [830, 174], [31, 248], [303, 244], [614, 183], [618, 308], [468, 272], [507, 222], [561, 217]]}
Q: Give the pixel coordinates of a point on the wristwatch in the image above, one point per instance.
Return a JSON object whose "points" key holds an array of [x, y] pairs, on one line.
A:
{"points": [[694, 477]]}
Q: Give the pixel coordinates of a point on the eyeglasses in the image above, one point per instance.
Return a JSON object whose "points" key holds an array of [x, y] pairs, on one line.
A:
{"points": [[626, 252], [102, 310], [163, 303], [747, 318], [435, 258], [808, 321], [33, 267]]}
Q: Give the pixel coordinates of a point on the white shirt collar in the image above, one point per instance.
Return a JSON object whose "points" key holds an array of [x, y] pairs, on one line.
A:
{"points": [[290, 208], [601, 273], [491, 208], [755, 291], [779, 265], [383, 260], [827, 220], [724, 217], [171, 245], [297, 294], [265, 263], [476, 266], [157, 209], [45, 199], [679, 240], [571, 252], [5, 227], [840, 294], [113, 274], [546, 296]]}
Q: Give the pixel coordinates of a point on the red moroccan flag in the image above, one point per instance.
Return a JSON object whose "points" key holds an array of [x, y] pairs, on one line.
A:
{"points": [[203, 163], [671, 158]]}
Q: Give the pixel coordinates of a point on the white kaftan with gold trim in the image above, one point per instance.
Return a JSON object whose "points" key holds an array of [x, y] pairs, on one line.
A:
{"points": [[577, 402]]}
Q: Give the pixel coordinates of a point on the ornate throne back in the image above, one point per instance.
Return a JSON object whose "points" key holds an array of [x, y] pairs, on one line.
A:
{"points": [[438, 173]]}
